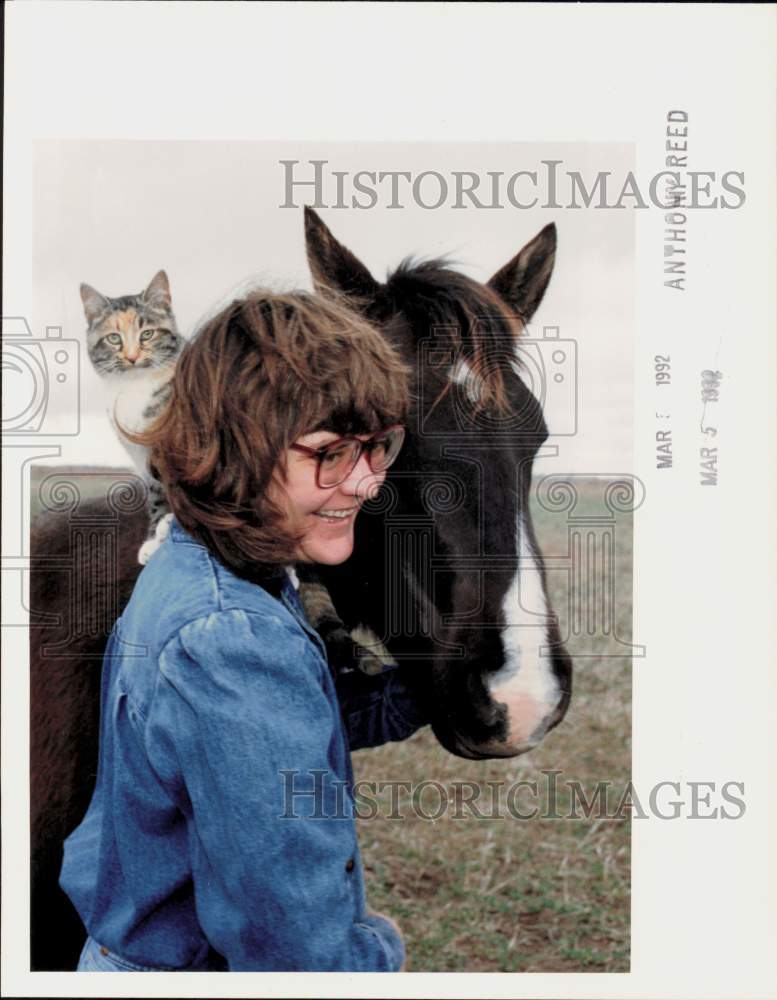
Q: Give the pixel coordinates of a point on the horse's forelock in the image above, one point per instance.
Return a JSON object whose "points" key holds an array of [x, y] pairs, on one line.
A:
{"points": [[480, 328]]}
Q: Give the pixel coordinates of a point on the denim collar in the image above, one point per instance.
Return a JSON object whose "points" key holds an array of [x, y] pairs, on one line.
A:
{"points": [[269, 577], [291, 599], [177, 534]]}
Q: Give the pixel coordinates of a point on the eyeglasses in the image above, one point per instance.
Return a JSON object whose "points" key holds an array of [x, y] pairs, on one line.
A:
{"points": [[338, 459]]}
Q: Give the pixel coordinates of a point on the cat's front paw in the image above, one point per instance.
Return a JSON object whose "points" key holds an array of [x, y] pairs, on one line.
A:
{"points": [[149, 547], [163, 528], [344, 651]]}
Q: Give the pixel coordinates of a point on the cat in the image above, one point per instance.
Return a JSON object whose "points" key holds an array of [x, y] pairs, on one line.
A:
{"points": [[133, 343]]}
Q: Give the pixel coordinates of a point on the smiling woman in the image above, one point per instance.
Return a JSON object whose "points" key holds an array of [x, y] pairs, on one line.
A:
{"points": [[268, 375], [284, 415]]}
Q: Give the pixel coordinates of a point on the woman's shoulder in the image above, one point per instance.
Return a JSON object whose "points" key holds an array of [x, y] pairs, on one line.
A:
{"points": [[183, 587], [240, 651]]}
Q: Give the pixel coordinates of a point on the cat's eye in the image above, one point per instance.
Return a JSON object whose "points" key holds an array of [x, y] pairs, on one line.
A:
{"points": [[147, 335], [114, 338]]}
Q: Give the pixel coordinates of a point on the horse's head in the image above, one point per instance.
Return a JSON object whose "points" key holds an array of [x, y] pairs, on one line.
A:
{"points": [[457, 529]]}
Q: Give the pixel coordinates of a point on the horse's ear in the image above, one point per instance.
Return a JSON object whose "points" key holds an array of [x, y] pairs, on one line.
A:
{"points": [[522, 281], [94, 303], [332, 265]]}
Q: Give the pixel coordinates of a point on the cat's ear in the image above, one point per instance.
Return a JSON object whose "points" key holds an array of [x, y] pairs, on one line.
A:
{"points": [[94, 303], [158, 291]]}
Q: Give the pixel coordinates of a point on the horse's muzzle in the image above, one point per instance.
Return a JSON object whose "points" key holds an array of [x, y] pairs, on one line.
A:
{"points": [[489, 728]]}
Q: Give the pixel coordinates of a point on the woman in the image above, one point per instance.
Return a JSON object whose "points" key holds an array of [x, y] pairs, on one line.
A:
{"points": [[221, 832]]}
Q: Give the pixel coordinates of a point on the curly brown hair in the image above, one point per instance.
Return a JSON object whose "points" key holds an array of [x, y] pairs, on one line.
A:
{"points": [[266, 370]]}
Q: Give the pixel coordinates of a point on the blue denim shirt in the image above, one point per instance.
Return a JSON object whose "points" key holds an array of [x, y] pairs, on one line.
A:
{"points": [[217, 702]]}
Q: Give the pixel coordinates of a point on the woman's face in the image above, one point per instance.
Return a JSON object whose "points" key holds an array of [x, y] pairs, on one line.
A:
{"points": [[325, 517]]}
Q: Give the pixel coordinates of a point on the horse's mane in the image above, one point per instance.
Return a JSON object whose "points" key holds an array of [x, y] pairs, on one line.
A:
{"points": [[445, 304]]}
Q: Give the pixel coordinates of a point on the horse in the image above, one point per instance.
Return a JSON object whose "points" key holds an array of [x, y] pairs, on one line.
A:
{"points": [[451, 539], [446, 574]]}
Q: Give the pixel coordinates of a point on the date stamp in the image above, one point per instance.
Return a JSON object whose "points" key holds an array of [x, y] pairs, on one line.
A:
{"points": [[708, 454], [662, 373]]}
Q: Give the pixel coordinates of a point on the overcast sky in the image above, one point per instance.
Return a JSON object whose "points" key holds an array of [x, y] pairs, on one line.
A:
{"points": [[112, 213]]}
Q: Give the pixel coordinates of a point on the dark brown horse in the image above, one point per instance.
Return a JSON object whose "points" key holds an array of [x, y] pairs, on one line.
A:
{"points": [[446, 571], [450, 542], [84, 565]]}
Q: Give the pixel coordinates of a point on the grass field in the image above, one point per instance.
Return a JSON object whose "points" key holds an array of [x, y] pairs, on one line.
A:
{"points": [[502, 893]]}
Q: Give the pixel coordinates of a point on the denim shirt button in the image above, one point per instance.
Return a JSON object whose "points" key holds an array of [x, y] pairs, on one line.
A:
{"points": [[103, 950], [350, 864]]}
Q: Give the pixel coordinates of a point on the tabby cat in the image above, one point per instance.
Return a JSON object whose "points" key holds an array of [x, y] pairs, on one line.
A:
{"points": [[133, 343]]}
